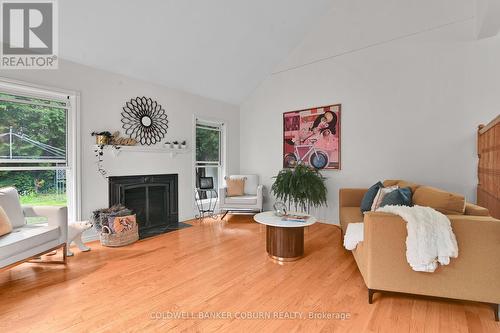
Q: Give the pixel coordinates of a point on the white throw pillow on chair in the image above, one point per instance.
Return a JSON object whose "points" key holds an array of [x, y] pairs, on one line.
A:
{"points": [[251, 183]]}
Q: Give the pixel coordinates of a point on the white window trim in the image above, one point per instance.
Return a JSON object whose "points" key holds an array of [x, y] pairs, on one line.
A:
{"points": [[219, 127], [223, 158], [73, 143]]}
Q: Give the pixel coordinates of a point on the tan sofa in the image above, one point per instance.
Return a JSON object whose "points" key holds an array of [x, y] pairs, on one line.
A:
{"points": [[381, 257]]}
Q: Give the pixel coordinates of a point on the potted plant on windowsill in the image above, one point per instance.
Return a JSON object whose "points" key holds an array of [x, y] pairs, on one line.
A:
{"points": [[301, 187]]}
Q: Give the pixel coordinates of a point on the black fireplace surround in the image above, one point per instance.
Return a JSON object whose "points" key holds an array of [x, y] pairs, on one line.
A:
{"points": [[153, 198]]}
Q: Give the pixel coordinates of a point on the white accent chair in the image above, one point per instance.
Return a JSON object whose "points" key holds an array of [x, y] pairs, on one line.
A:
{"points": [[28, 241], [250, 202]]}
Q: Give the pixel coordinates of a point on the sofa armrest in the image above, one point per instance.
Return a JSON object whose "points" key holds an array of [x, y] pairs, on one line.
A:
{"points": [[477, 264], [384, 244], [56, 216], [351, 197], [475, 210], [260, 196]]}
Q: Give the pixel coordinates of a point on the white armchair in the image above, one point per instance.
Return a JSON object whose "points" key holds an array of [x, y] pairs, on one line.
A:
{"points": [[27, 241], [251, 201]]}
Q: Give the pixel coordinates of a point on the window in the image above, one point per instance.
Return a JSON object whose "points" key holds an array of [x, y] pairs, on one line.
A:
{"points": [[36, 137], [209, 151]]}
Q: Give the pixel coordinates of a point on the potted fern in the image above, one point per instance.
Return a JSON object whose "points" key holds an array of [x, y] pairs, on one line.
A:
{"points": [[301, 187]]}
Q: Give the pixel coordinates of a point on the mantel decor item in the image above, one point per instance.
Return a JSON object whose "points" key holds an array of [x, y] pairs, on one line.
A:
{"points": [[312, 137], [102, 138], [117, 140], [144, 120], [99, 153], [302, 187], [176, 144]]}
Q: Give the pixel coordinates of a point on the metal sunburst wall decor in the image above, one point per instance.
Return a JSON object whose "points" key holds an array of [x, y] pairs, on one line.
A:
{"points": [[144, 120]]}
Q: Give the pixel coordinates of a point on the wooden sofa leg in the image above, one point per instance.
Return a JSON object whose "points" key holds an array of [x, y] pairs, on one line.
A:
{"points": [[496, 308], [370, 296], [65, 257], [38, 260], [223, 216]]}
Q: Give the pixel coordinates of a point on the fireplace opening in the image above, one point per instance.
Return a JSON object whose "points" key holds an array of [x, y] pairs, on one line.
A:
{"points": [[153, 198]]}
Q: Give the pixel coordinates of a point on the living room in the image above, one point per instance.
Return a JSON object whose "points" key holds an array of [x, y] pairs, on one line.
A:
{"points": [[223, 166]]}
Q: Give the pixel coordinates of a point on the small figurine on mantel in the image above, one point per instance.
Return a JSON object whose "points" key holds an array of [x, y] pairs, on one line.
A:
{"points": [[116, 140]]}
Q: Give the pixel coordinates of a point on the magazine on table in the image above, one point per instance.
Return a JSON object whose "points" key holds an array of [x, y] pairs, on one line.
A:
{"points": [[295, 217]]}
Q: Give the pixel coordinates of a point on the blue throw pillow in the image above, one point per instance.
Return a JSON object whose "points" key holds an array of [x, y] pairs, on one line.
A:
{"points": [[399, 197], [366, 203]]}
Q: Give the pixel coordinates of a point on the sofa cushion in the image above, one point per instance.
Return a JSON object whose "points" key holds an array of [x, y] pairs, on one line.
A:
{"points": [[5, 225], [367, 201], [401, 183], [475, 210], [242, 200], [235, 186], [445, 202], [350, 215], [399, 197], [251, 183], [9, 200], [25, 238]]}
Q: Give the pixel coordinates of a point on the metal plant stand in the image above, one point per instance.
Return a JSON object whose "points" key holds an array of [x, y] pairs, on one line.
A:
{"points": [[204, 197]]}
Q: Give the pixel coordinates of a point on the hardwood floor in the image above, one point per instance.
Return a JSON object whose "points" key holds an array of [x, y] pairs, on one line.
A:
{"points": [[220, 267]]}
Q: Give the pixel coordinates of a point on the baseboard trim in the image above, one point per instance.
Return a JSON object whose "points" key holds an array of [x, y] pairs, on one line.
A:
{"points": [[90, 238], [90, 235]]}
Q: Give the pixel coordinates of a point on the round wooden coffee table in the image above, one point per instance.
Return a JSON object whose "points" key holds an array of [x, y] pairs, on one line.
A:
{"points": [[284, 239]]}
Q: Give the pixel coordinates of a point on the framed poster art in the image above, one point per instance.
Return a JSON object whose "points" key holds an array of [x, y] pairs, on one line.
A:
{"points": [[312, 136]]}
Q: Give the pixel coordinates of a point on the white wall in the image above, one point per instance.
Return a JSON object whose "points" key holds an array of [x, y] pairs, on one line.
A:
{"points": [[103, 94], [410, 105]]}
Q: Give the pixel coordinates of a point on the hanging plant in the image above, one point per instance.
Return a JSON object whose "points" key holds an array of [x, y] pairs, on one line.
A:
{"points": [[102, 139], [99, 152], [302, 187], [144, 120]]}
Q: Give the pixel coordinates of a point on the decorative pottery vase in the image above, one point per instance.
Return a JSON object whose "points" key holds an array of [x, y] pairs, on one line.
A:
{"points": [[101, 140]]}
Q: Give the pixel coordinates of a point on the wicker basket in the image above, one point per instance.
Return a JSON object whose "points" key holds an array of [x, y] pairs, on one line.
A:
{"points": [[119, 239]]}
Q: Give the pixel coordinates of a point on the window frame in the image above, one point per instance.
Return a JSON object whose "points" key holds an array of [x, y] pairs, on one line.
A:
{"points": [[218, 128], [63, 163], [221, 164], [72, 98]]}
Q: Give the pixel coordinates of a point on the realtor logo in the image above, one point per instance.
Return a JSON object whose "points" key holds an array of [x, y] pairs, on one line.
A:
{"points": [[29, 34]]}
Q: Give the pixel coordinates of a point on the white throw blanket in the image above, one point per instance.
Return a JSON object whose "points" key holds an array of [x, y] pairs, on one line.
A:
{"points": [[430, 238], [353, 235]]}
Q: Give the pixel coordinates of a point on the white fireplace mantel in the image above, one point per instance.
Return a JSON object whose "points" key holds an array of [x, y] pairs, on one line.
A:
{"points": [[157, 149]]}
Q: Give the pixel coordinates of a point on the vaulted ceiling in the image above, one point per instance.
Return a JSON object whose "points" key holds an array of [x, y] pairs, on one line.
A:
{"points": [[220, 49]]}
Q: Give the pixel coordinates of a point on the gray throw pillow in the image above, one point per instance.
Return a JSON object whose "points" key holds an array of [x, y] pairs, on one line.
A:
{"points": [[366, 203]]}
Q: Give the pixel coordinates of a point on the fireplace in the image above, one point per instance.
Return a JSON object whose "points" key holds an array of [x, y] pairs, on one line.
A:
{"points": [[153, 198]]}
